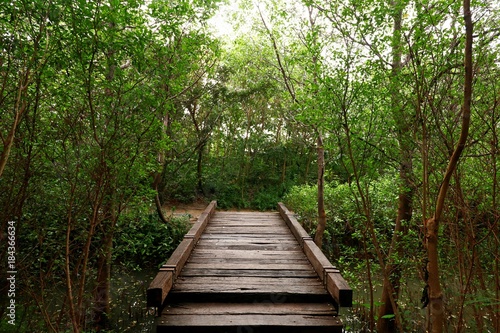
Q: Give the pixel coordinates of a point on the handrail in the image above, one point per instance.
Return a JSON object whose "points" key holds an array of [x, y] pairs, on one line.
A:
{"points": [[163, 282], [332, 279]]}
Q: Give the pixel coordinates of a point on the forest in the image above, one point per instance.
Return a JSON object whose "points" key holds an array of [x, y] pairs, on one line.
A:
{"points": [[376, 122]]}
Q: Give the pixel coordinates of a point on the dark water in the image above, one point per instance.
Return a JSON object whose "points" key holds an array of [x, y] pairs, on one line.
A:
{"points": [[129, 312]]}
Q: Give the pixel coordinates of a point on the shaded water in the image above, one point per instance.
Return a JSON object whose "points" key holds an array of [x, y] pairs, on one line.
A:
{"points": [[129, 312]]}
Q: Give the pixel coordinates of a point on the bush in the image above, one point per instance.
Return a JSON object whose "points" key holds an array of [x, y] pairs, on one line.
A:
{"points": [[345, 218], [146, 242]]}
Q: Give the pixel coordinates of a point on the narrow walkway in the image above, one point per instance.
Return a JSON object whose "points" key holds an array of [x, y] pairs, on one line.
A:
{"points": [[247, 272]]}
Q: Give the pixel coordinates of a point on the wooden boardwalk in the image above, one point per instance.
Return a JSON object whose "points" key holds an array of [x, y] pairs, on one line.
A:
{"points": [[248, 272]]}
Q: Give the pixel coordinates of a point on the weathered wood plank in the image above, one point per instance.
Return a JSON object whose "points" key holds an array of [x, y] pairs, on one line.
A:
{"points": [[250, 237], [273, 230], [241, 213], [262, 317], [180, 255], [246, 254], [253, 261], [248, 246], [325, 309], [198, 228], [250, 320], [318, 260], [233, 280], [294, 225], [248, 265], [339, 289], [162, 283], [222, 289], [248, 272], [247, 296], [159, 288], [334, 282]]}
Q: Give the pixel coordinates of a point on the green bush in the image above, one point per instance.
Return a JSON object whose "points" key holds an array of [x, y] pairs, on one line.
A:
{"points": [[145, 242], [345, 216]]}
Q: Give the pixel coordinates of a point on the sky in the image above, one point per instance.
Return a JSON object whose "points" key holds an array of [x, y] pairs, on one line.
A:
{"points": [[220, 24]]}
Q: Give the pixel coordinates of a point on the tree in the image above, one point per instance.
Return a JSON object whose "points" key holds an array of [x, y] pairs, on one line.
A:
{"points": [[432, 224]]}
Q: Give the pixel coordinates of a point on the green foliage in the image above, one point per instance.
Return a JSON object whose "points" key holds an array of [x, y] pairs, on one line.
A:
{"points": [[345, 220], [144, 242]]}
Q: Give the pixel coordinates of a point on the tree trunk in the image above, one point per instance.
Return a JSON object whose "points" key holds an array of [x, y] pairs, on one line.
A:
{"points": [[388, 320], [320, 229], [103, 288], [392, 274], [436, 303], [20, 108], [199, 170]]}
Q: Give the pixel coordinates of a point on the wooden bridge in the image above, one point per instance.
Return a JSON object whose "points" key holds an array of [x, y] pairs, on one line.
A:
{"points": [[248, 272]]}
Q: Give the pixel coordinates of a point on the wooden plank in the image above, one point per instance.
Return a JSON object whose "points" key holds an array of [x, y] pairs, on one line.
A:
{"points": [[249, 220], [339, 289], [249, 272], [318, 260], [250, 320], [294, 225], [249, 265], [288, 237], [222, 289], [159, 288], [198, 228], [181, 255], [262, 317], [248, 246], [325, 309], [254, 224], [334, 282], [253, 261], [233, 280], [274, 230], [245, 254], [252, 329], [247, 296], [162, 283], [251, 214], [249, 239]]}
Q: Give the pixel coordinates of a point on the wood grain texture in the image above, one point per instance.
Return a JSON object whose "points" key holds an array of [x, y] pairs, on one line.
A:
{"points": [[159, 288], [255, 317]]}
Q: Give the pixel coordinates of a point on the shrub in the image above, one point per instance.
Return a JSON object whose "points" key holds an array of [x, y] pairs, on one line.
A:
{"points": [[145, 242]]}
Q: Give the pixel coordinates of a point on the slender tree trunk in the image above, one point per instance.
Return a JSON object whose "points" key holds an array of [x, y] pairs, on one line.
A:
{"points": [[436, 302], [103, 288], [199, 170], [67, 270], [320, 230], [392, 274], [20, 108]]}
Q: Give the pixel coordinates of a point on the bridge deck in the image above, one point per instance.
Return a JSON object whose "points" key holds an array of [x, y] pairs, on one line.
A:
{"points": [[246, 272]]}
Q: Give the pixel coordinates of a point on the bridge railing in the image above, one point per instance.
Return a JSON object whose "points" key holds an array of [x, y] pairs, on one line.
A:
{"points": [[163, 282], [332, 279]]}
